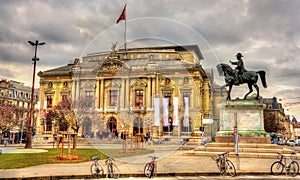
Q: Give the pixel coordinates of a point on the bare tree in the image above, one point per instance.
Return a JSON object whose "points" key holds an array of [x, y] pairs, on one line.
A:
{"points": [[10, 116], [84, 108]]}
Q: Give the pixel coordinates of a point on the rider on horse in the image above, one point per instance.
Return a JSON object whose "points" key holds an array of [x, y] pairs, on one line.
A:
{"points": [[239, 70]]}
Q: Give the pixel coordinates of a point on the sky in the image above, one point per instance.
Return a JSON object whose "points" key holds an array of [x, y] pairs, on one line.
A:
{"points": [[266, 32]]}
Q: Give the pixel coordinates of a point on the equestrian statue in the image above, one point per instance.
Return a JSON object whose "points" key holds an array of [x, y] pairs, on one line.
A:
{"points": [[240, 75]]}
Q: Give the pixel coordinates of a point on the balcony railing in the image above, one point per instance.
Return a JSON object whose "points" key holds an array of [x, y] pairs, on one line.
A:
{"points": [[138, 109]]}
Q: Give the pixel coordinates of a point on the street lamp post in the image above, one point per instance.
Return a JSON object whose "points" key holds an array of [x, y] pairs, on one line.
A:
{"points": [[142, 111], [30, 122]]}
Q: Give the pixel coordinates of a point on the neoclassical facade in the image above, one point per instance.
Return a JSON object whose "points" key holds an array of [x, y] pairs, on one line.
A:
{"points": [[163, 90]]}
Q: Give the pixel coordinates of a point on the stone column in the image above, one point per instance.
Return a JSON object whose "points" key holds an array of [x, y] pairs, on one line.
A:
{"points": [[149, 97], [97, 98], [101, 94], [127, 97]]}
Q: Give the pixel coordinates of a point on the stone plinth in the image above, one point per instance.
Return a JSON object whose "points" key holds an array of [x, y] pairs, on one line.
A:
{"points": [[247, 115]]}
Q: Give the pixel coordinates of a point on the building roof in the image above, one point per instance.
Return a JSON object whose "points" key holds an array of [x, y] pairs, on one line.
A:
{"points": [[92, 62]]}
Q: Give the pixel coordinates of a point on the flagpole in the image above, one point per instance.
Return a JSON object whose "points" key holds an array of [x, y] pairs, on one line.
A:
{"points": [[123, 17], [125, 43]]}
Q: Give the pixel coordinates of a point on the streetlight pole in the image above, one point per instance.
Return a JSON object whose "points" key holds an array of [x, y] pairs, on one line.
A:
{"points": [[30, 122]]}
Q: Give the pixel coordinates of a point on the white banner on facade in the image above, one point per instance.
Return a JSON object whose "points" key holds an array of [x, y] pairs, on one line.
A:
{"points": [[186, 112], [45, 115], [175, 112], [165, 111], [156, 112]]}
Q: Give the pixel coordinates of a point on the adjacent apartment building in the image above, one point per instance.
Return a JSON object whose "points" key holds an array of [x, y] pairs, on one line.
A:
{"points": [[15, 96]]}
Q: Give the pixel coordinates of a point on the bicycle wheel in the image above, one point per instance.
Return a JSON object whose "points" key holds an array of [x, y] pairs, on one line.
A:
{"points": [[97, 171], [113, 171], [230, 169], [277, 168], [294, 168], [148, 170]]}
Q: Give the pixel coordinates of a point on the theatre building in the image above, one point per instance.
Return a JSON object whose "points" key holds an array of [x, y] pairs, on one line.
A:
{"points": [[163, 90]]}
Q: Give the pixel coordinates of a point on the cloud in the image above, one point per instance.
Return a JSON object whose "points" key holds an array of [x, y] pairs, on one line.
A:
{"points": [[265, 32]]}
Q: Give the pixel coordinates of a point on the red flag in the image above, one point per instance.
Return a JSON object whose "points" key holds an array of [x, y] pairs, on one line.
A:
{"points": [[122, 16]]}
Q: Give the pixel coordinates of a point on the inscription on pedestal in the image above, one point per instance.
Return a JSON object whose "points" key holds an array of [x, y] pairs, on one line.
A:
{"points": [[247, 115]]}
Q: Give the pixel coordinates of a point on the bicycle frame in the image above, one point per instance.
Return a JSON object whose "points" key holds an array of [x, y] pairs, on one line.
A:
{"points": [[153, 160], [150, 167], [284, 159], [224, 164], [112, 169], [286, 163], [96, 168]]}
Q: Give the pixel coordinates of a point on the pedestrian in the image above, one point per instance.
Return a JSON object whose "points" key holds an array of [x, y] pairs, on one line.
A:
{"points": [[101, 134], [60, 141], [116, 134], [54, 139]]}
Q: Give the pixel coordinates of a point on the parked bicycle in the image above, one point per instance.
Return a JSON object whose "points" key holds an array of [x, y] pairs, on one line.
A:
{"points": [[285, 162], [97, 170], [224, 164], [112, 169], [150, 166]]}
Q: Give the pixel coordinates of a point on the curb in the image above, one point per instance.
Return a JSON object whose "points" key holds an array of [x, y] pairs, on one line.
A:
{"points": [[87, 176]]}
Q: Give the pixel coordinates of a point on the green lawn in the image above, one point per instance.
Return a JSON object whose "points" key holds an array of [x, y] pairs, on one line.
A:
{"points": [[12, 161]]}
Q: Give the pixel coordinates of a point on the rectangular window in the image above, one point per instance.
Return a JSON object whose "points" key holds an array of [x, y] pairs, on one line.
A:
{"points": [[113, 98], [89, 93], [139, 97], [168, 94], [49, 101]]}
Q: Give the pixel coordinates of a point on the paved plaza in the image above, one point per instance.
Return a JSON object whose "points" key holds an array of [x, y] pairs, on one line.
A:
{"points": [[171, 163]]}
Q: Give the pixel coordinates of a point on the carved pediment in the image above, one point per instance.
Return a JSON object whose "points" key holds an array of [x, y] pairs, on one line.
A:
{"points": [[112, 83], [138, 83], [114, 64], [88, 85]]}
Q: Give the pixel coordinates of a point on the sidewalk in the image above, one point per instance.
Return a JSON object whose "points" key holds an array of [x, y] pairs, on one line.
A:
{"points": [[171, 162]]}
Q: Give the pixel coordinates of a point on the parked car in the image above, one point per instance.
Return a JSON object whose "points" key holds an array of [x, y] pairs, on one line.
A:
{"points": [[297, 142], [281, 142], [291, 142]]}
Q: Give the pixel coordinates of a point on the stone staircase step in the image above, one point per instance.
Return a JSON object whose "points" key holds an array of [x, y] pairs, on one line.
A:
{"points": [[241, 154], [232, 154], [244, 145], [231, 149], [248, 150]]}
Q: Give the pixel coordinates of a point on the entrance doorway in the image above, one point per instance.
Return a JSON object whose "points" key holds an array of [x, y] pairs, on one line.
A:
{"points": [[112, 124]]}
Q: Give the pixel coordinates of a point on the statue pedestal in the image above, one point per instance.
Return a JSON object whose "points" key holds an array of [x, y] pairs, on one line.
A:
{"points": [[247, 116]]}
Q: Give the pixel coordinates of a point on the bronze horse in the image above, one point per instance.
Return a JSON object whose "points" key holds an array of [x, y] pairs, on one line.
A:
{"points": [[249, 77]]}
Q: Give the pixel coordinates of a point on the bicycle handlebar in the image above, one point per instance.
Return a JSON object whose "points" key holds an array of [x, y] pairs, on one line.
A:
{"points": [[95, 158], [153, 157], [225, 153]]}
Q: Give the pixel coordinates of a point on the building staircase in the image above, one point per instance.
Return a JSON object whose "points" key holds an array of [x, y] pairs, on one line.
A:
{"points": [[246, 150]]}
